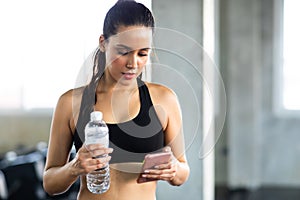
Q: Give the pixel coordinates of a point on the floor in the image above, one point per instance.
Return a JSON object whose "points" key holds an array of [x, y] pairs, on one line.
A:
{"points": [[266, 193]]}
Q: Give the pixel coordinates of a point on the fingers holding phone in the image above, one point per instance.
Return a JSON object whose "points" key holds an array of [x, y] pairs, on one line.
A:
{"points": [[158, 166], [165, 172]]}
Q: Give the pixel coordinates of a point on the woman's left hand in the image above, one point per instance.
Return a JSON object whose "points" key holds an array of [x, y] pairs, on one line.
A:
{"points": [[166, 171]]}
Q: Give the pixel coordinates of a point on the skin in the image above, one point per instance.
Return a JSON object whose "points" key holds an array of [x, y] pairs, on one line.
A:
{"points": [[118, 99]]}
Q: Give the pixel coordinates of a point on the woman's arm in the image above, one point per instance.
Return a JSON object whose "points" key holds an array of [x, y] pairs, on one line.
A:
{"points": [[177, 171], [174, 138], [59, 173]]}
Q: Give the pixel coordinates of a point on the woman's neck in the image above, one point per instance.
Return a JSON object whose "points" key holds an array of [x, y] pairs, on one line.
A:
{"points": [[107, 85]]}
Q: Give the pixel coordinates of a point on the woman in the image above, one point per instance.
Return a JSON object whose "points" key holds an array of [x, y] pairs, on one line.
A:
{"points": [[127, 103]]}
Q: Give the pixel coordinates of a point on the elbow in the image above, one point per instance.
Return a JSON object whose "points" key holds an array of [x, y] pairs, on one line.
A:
{"points": [[56, 181], [50, 187], [50, 190], [47, 186]]}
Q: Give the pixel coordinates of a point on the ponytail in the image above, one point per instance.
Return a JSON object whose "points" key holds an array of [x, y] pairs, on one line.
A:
{"points": [[89, 95]]}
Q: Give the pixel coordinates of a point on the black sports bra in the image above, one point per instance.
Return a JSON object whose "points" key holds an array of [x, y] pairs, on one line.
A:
{"points": [[133, 139]]}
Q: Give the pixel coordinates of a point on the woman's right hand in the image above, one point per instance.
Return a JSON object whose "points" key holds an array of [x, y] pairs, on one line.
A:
{"points": [[85, 160]]}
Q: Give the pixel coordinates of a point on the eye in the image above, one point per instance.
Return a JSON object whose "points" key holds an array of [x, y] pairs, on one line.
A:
{"points": [[122, 52], [143, 53]]}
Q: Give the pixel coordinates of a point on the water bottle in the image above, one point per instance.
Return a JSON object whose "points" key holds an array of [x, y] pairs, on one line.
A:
{"points": [[96, 132]]}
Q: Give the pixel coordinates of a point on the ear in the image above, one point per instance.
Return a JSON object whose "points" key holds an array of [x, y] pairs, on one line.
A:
{"points": [[102, 43]]}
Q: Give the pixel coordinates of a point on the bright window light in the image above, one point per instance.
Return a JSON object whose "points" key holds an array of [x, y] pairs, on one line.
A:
{"points": [[291, 59], [43, 46]]}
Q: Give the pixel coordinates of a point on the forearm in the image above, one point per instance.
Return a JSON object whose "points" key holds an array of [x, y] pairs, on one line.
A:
{"points": [[59, 179], [182, 174]]}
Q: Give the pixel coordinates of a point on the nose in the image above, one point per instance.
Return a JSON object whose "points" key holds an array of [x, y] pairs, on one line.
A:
{"points": [[132, 61]]}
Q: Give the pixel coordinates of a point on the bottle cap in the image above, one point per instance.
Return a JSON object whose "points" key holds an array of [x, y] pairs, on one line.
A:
{"points": [[96, 116]]}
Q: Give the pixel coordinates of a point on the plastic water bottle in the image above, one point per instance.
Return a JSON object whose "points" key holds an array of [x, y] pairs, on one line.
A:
{"points": [[96, 132]]}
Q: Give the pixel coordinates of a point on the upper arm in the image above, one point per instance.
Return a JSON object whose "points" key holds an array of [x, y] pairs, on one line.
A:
{"points": [[60, 141], [174, 136], [169, 111]]}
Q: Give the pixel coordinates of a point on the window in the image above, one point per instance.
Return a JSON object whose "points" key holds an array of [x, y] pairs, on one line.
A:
{"points": [[291, 61], [43, 46]]}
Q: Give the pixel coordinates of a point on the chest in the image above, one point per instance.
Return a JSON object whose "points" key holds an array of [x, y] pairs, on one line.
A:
{"points": [[118, 107]]}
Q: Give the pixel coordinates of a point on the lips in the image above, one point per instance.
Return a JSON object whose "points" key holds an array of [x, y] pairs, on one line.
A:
{"points": [[128, 75]]}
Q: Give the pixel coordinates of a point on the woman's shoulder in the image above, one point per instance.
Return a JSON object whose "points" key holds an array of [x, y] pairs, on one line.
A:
{"points": [[68, 104], [70, 100], [161, 93], [165, 102], [72, 94]]}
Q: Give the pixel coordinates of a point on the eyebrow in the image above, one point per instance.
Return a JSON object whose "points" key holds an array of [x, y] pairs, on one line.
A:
{"points": [[130, 49]]}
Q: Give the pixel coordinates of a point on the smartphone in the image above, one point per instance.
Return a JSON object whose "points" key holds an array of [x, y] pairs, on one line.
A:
{"points": [[152, 160]]}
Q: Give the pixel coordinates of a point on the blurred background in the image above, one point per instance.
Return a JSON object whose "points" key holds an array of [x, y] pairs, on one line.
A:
{"points": [[241, 114]]}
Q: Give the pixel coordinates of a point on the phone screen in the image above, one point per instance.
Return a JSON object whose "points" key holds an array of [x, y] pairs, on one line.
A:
{"points": [[152, 160]]}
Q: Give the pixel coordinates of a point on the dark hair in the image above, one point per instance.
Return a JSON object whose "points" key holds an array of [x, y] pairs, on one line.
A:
{"points": [[123, 13], [126, 13]]}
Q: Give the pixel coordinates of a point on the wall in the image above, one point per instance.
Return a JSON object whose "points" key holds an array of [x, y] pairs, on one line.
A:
{"points": [[242, 32], [262, 147], [280, 134], [178, 56], [23, 129]]}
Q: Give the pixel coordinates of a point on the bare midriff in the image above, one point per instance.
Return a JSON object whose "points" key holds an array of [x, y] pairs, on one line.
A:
{"points": [[123, 186]]}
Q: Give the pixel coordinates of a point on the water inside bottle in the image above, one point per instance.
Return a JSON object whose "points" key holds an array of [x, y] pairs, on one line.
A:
{"points": [[98, 181]]}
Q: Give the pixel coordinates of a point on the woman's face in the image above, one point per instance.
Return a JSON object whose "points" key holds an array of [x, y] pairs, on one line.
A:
{"points": [[127, 53]]}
